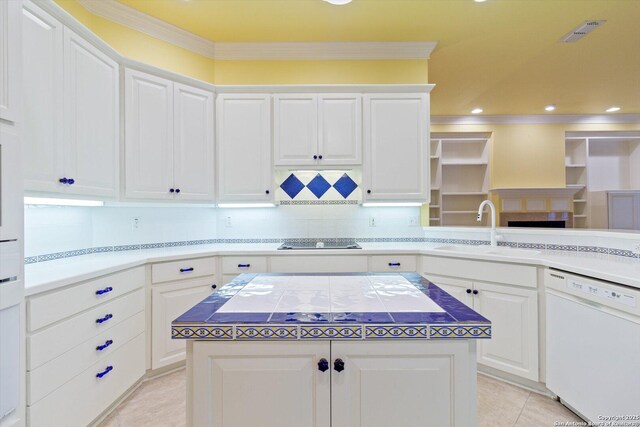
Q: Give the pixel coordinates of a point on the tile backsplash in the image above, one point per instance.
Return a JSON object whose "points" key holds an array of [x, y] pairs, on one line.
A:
{"points": [[51, 230]]}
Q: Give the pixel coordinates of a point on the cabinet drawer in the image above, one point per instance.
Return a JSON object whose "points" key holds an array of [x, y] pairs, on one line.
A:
{"points": [[43, 310], [185, 269], [386, 263], [484, 271], [52, 342], [319, 264], [238, 265], [48, 377], [81, 400]]}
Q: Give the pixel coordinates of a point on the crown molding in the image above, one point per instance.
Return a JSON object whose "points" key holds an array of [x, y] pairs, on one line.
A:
{"points": [[310, 51], [537, 119]]}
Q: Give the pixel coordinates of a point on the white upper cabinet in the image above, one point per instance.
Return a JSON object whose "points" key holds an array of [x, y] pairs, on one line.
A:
{"points": [[148, 136], [317, 129], [71, 110], [244, 148], [91, 118], [9, 59], [295, 129], [43, 87], [193, 143], [396, 147], [340, 138], [11, 194], [168, 139]]}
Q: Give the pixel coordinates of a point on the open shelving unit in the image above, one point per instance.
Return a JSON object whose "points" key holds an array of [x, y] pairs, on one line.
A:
{"points": [[596, 163], [460, 177]]}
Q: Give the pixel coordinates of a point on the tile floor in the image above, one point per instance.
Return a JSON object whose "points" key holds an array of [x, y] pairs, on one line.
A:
{"points": [[161, 403]]}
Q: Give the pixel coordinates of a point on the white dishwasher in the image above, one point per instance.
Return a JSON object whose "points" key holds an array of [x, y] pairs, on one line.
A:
{"points": [[593, 346]]}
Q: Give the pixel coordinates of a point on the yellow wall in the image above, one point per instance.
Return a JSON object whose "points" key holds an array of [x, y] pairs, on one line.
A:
{"points": [[147, 49], [320, 72]]}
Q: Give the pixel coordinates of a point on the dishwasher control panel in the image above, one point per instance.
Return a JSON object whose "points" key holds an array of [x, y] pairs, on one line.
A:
{"points": [[608, 294], [602, 292]]}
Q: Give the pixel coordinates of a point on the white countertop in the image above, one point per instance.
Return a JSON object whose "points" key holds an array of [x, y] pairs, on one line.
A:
{"points": [[49, 275]]}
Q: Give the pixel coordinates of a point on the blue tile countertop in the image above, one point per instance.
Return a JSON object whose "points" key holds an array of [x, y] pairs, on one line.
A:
{"points": [[344, 306]]}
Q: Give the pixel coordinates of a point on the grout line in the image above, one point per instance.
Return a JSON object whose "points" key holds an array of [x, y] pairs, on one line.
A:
{"points": [[522, 410]]}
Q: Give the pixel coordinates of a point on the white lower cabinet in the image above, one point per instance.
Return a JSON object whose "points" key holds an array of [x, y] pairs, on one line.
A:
{"points": [[512, 309], [168, 302], [281, 384], [85, 348]]}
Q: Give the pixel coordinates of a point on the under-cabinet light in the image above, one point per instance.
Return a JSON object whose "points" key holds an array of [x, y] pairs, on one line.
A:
{"points": [[45, 201], [246, 205], [390, 204]]}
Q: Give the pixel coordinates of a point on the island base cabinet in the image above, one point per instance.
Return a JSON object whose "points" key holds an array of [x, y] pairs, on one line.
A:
{"points": [[264, 384], [280, 384], [169, 301]]}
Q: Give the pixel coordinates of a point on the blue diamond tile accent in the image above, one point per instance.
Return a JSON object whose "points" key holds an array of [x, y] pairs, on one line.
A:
{"points": [[318, 186], [345, 185], [292, 186]]}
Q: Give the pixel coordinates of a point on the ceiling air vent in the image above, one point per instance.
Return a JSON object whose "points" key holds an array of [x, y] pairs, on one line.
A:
{"points": [[583, 29]]}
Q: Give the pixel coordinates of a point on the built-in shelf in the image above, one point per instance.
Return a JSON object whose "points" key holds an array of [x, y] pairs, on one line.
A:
{"points": [[434, 219], [469, 163], [435, 157], [576, 185], [461, 174], [465, 193], [459, 212], [580, 201], [579, 216]]}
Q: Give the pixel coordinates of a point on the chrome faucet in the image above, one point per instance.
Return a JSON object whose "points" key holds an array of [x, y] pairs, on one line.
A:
{"points": [[492, 207]]}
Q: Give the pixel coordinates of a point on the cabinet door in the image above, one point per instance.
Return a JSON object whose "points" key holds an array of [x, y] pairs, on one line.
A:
{"points": [[91, 118], [244, 148], [148, 136], [295, 129], [168, 302], [266, 384], [11, 206], [460, 289], [9, 59], [193, 143], [340, 138], [42, 90], [396, 147], [403, 383], [624, 211], [513, 312]]}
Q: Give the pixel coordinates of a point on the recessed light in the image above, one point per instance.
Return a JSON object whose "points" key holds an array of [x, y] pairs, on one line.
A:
{"points": [[338, 2], [613, 109], [477, 111], [479, 1], [550, 107]]}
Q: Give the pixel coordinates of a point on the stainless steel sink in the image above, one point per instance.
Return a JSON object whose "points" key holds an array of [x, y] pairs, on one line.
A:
{"points": [[490, 250]]}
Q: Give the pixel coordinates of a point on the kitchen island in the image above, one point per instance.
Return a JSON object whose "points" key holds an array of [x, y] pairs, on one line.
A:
{"points": [[331, 350]]}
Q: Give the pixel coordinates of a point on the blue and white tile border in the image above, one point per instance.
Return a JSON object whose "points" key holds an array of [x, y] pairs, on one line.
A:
{"points": [[522, 245], [330, 332]]}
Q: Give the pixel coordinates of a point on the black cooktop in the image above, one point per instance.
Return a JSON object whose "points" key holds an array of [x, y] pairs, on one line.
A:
{"points": [[314, 245]]}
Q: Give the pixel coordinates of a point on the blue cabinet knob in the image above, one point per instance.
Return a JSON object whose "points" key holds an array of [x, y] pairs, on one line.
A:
{"points": [[244, 265], [105, 372], [171, 190], [266, 192], [104, 291], [323, 365], [394, 264], [475, 292], [71, 181], [315, 157], [320, 156], [105, 318], [106, 344], [63, 180], [214, 286], [186, 270], [468, 291], [338, 365], [177, 190]]}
